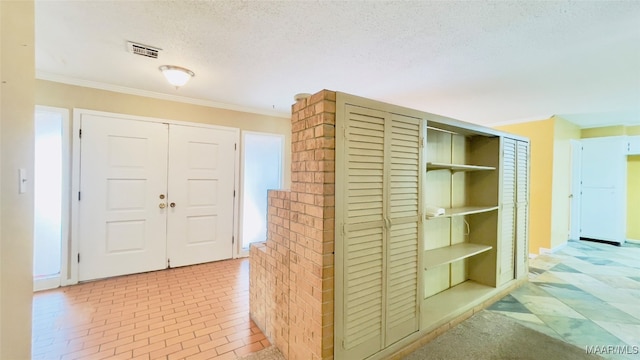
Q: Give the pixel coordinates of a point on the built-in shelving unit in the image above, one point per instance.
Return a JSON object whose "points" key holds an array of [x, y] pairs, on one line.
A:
{"points": [[409, 271], [464, 210], [461, 245], [449, 254], [457, 167]]}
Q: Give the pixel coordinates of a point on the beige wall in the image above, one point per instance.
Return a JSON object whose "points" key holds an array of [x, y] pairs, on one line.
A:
{"points": [[564, 131], [17, 66], [69, 96]]}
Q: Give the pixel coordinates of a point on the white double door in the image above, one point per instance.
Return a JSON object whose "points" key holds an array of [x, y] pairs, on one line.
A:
{"points": [[153, 195]]}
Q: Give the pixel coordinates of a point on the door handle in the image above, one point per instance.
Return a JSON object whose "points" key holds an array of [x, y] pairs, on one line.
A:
{"points": [[162, 205], [172, 204]]}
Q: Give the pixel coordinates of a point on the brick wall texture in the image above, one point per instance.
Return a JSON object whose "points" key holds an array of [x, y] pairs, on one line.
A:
{"points": [[291, 275]]}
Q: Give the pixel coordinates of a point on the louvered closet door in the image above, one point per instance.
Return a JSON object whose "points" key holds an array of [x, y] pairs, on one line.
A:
{"points": [[364, 233], [508, 212], [404, 230], [522, 207]]}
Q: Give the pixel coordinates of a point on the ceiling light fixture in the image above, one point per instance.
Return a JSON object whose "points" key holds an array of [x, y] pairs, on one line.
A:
{"points": [[176, 75]]}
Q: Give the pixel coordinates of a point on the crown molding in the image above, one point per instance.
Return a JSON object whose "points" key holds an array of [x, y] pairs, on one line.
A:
{"points": [[41, 75]]}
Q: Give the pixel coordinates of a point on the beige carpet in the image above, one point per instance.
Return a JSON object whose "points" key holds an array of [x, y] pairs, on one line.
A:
{"points": [[488, 335], [485, 335]]}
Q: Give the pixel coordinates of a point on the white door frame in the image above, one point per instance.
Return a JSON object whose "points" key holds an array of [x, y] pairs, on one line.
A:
{"points": [[575, 198], [65, 196], [72, 251], [238, 248]]}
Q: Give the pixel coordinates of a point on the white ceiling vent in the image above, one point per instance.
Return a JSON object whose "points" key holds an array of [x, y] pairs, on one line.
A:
{"points": [[144, 50]]}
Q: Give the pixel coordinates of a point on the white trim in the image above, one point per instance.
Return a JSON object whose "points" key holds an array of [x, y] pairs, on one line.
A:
{"points": [[48, 283], [240, 250], [75, 175], [75, 207], [155, 95], [634, 241], [555, 249]]}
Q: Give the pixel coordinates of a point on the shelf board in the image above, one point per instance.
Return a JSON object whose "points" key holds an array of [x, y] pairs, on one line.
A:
{"points": [[449, 254], [445, 306], [456, 167], [464, 210]]}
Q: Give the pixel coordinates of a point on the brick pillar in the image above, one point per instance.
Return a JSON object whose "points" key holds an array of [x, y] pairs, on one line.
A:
{"points": [[291, 279], [312, 227]]}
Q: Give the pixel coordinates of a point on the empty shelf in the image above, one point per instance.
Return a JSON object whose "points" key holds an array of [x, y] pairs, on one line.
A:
{"points": [[465, 210], [449, 254], [456, 167]]}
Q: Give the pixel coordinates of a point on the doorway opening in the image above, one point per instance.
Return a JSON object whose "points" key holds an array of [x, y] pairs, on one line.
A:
{"points": [[262, 171], [51, 195]]}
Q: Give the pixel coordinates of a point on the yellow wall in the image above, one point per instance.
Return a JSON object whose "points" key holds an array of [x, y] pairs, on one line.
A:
{"points": [[603, 131], [633, 197], [540, 133], [618, 130], [17, 70], [564, 131], [69, 96], [633, 130]]}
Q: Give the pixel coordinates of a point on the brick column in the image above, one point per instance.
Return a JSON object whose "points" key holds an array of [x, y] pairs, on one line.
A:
{"points": [[312, 227], [292, 301]]}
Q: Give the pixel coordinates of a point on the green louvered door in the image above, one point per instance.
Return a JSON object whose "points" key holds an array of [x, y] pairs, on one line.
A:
{"points": [[514, 218], [507, 249], [377, 186], [404, 227], [364, 238], [522, 208]]}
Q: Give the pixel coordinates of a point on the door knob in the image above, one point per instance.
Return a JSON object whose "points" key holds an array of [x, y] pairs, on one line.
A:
{"points": [[161, 196], [172, 205], [162, 205]]}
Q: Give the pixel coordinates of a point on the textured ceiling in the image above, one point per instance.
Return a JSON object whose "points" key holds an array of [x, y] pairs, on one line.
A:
{"points": [[483, 62]]}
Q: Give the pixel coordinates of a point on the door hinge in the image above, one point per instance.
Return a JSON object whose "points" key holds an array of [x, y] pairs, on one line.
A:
{"points": [[168, 263], [235, 146], [234, 193], [79, 196], [78, 258], [80, 133], [233, 240], [421, 142]]}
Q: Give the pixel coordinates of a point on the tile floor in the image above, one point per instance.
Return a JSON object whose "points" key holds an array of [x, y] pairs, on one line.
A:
{"points": [[586, 294], [194, 312]]}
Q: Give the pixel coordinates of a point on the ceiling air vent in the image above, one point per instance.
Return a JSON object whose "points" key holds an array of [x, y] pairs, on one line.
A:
{"points": [[144, 50]]}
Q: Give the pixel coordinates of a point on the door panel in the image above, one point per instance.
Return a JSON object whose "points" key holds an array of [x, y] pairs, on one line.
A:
{"points": [[201, 194], [123, 173], [603, 178]]}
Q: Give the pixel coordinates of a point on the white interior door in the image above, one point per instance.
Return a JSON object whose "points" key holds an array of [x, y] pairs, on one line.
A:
{"points": [[603, 203], [123, 167], [201, 194]]}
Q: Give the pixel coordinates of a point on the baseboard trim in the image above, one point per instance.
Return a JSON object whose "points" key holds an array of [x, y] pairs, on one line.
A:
{"points": [[46, 283], [553, 250]]}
